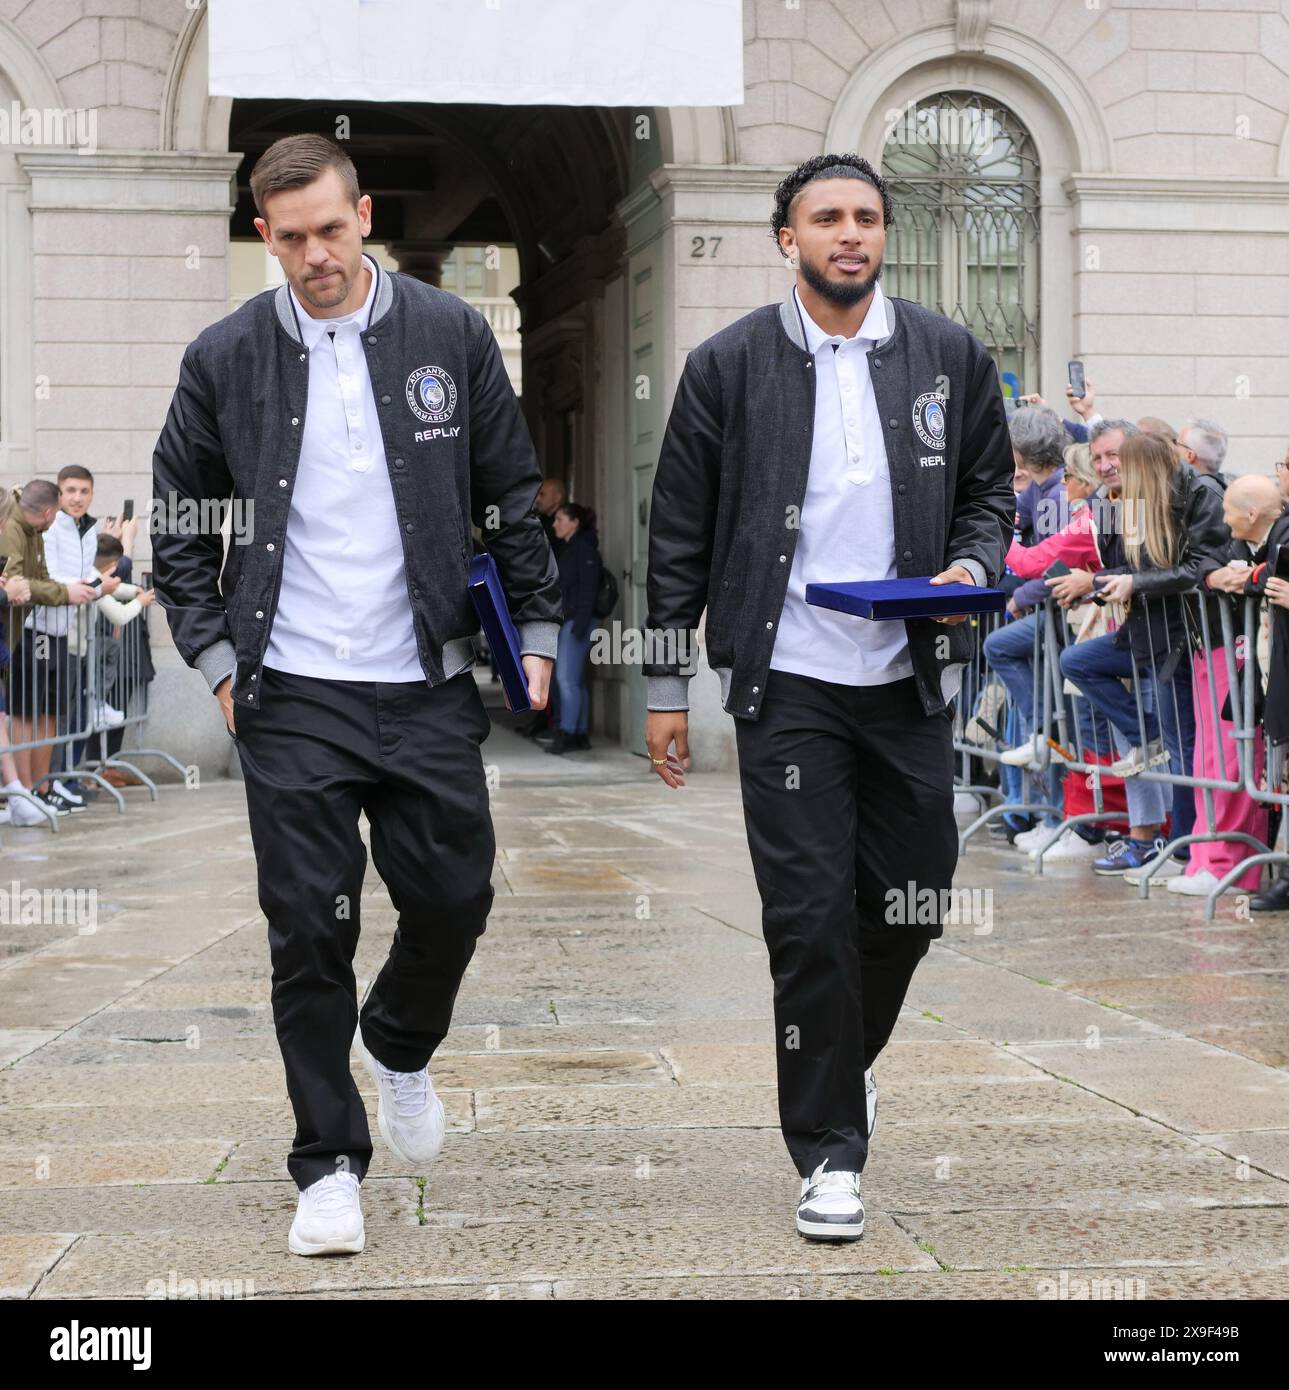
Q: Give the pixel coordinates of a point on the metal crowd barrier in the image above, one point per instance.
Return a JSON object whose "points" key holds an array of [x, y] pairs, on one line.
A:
{"points": [[988, 723], [73, 686]]}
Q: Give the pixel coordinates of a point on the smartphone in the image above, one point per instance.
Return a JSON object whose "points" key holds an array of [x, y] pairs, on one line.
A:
{"points": [[1076, 379], [127, 510], [1056, 569], [147, 579], [95, 582]]}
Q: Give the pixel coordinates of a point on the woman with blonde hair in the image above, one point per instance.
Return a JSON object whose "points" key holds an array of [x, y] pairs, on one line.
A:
{"points": [[1169, 530]]}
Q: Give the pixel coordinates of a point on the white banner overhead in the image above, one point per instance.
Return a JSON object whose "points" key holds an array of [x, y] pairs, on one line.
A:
{"points": [[499, 52]]}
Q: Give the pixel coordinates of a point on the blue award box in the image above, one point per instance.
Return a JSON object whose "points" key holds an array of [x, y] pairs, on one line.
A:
{"points": [[503, 637], [905, 598]]}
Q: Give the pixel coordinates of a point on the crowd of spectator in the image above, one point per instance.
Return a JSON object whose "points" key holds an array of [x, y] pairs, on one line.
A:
{"points": [[65, 602], [1142, 550]]}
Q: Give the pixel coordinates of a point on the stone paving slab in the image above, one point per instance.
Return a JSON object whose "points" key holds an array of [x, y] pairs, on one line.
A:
{"points": [[1091, 1089], [511, 1252]]}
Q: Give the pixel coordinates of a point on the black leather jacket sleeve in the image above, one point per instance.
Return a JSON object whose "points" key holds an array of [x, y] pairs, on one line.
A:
{"points": [[188, 467], [682, 521], [1203, 540], [984, 506]]}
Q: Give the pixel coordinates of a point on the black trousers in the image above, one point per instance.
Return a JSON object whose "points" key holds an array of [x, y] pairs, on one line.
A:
{"points": [[314, 754], [847, 795]]}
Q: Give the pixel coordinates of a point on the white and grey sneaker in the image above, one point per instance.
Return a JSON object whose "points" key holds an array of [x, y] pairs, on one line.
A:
{"points": [[409, 1115], [328, 1218], [1137, 760], [830, 1207], [870, 1096]]}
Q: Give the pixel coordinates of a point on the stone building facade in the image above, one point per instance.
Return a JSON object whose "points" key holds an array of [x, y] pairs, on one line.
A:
{"points": [[1128, 204]]}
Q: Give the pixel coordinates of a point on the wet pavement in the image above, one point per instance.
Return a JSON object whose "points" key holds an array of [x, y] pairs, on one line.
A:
{"points": [[1084, 1091]]}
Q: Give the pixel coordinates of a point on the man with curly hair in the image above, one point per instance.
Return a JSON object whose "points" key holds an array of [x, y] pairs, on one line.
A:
{"points": [[840, 435]]}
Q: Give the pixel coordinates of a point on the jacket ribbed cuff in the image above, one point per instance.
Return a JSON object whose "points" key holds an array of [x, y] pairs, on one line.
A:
{"points": [[217, 661], [974, 568], [667, 692], [539, 639]]}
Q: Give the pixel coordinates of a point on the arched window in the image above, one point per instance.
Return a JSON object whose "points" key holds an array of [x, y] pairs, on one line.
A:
{"points": [[964, 179]]}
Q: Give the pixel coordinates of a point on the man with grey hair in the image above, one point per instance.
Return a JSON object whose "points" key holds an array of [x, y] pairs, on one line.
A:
{"points": [[1038, 446], [1203, 445]]}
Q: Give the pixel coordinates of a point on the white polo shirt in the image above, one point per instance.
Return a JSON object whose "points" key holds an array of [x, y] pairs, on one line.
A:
{"points": [[343, 610], [847, 518]]}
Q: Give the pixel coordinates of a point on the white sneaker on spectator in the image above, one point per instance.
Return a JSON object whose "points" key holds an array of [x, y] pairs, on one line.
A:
{"points": [[328, 1218], [1169, 869], [107, 716], [21, 811], [1027, 839], [1068, 847], [1028, 752], [1198, 885], [71, 797], [1047, 839], [1138, 760]]}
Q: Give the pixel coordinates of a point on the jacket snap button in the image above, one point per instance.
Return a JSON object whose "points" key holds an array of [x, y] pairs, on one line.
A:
{"points": [[750, 708], [725, 583], [372, 341], [295, 419], [908, 554], [398, 463], [756, 690], [302, 356], [269, 546], [409, 528], [877, 361], [782, 559], [259, 612], [903, 488], [281, 482], [893, 422], [769, 624], [384, 400]]}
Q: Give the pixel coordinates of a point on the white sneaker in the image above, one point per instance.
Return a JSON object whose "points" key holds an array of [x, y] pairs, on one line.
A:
{"points": [[24, 812], [328, 1218], [966, 804], [870, 1097], [830, 1207], [1046, 839], [71, 797], [107, 716], [1170, 868], [1069, 847], [1198, 885], [1028, 752], [409, 1115], [1027, 839], [1138, 760]]}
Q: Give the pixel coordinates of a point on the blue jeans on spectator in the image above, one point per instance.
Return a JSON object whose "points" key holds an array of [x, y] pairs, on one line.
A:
{"points": [[1009, 650], [570, 676], [1097, 667]]}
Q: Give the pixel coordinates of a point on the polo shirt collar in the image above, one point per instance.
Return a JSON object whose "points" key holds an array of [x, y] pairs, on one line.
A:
{"points": [[875, 327], [313, 329]]}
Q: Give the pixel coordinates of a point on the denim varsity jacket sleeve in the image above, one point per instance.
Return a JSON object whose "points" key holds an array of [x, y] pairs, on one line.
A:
{"points": [[188, 466], [504, 480]]}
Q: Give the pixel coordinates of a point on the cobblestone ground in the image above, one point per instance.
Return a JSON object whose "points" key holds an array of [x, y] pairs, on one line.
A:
{"points": [[1093, 1089]]}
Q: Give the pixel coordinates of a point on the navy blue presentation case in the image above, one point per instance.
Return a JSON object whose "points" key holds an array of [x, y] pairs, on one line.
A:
{"points": [[499, 628], [884, 599]]}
